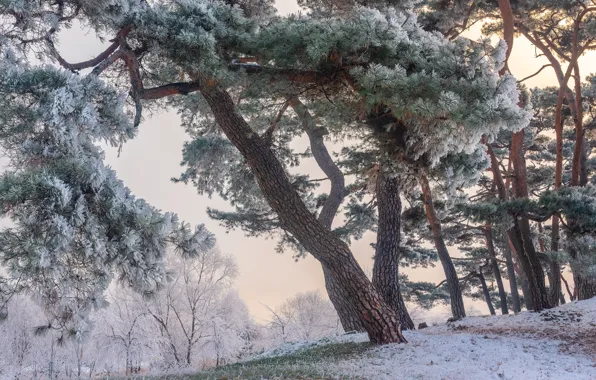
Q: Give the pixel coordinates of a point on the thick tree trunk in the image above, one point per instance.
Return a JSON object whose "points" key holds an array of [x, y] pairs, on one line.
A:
{"points": [[457, 301], [512, 278], [348, 317], [585, 284], [488, 233], [554, 281], [486, 293], [379, 319], [386, 264], [526, 252]]}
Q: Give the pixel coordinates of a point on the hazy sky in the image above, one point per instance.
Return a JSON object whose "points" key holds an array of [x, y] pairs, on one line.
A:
{"points": [[147, 163]]}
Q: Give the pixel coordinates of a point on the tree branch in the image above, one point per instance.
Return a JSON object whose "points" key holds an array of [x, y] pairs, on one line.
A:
{"points": [[536, 73], [95, 61]]}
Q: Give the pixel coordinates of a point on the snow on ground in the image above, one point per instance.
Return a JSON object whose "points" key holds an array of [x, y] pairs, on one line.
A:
{"points": [[554, 344], [293, 347], [458, 356]]}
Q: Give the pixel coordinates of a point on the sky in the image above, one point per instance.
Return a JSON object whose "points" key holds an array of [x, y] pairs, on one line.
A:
{"points": [[147, 163]]}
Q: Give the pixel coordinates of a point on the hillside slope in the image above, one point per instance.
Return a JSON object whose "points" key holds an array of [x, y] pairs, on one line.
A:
{"points": [[555, 344]]}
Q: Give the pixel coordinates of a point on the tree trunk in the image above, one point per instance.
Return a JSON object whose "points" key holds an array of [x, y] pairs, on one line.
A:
{"points": [[520, 274], [386, 264], [503, 191], [585, 284], [512, 278], [388, 281], [554, 281], [457, 301], [526, 252], [486, 293], [554, 272], [378, 318], [488, 233], [348, 317], [561, 298]]}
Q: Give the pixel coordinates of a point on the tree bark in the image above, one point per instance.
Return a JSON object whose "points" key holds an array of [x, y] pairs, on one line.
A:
{"points": [[386, 280], [503, 191], [585, 284], [526, 252], [348, 317], [486, 293], [386, 264], [554, 272], [457, 301], [512, 278], [488, 233], [379, 319], [555, 269]]}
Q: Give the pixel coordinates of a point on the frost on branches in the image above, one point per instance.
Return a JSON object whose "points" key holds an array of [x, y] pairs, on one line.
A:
{"points": [[373, 74], [75, 226]]}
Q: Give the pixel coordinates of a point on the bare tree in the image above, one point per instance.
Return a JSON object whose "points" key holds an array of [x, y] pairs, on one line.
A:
{"points": [[183, 311]]}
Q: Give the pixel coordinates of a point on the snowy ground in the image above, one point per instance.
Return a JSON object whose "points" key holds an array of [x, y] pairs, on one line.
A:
{"points": [[556, 344]]}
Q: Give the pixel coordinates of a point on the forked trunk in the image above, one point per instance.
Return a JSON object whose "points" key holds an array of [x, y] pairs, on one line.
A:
{"points": [[457, 301], [522, 237], [386, 264], [349, 318], [378, 318]]}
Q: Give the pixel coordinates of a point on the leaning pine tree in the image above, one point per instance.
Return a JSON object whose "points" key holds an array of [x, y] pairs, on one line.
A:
{"points": [[419, 98]]}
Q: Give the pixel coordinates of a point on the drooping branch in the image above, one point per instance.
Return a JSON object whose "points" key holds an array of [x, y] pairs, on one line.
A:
{"points": [[117, 42]]}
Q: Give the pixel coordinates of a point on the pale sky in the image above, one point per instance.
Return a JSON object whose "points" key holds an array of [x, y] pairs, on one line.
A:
{"points": [[147, 163]]}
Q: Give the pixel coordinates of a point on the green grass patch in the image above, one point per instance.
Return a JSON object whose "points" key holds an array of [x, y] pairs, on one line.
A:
{"points": [[304, 364]]}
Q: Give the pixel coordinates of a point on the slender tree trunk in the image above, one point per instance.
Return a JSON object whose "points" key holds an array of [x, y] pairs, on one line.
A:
{"points": [[379, 319], [457, 301], [572, 294], [578, 149], [488, 233], [554, 272], [554, 267], [512, 278], [526, 252], [486, 293], [386, 264]]}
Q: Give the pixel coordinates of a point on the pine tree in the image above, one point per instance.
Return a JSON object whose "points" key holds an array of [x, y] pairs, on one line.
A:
{"points": [[412, 96]]}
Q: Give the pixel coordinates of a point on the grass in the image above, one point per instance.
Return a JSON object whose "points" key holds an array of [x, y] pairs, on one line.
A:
{"points": [[305, 364]]}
